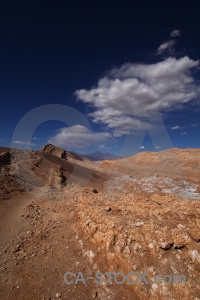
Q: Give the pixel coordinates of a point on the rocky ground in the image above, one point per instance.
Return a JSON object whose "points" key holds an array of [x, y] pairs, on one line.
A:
{"points": [[48, 243], [158, 234], [60, 214]]}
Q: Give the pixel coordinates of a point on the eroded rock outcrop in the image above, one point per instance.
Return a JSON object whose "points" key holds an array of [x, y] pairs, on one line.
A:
{"points": [[159, 234], [60, 152], [49, 148]]}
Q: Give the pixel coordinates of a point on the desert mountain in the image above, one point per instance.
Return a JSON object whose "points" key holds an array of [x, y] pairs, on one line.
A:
{"points": [[97, 155], [183, 162], [62, 153], [62, 213]]}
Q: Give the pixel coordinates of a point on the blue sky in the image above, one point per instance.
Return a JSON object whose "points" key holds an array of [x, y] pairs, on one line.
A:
{"points": [[131, 70]]}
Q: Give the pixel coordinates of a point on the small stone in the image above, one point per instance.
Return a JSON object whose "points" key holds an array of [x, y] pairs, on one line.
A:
{"points": [[150, 245], [95, 191], [58, 295], [138, 224], [166, 246], [95, 295], [108, 208]]}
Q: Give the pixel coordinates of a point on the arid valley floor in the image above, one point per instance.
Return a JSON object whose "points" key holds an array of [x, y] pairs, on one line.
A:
{"points": [[61, 213]]}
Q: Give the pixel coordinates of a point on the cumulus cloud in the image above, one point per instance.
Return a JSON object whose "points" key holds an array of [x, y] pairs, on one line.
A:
{"points": [[24, 143], [141, 147], [175, 127], [184, 132], [166, 46], [78, 136], [157, 147], [175, 33], [129, 98]]}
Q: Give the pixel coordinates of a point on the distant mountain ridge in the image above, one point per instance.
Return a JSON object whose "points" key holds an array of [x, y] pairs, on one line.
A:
{"points": [[97, 155], [62, 153]]}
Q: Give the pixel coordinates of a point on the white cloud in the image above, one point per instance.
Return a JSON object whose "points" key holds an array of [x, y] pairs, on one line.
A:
{"points": [[175, 127], [24, 143], [175, 33], [141, 147], [128, 98], [184, 132], [157, 147], [78, 136], [166, 46], [36, 139], [101, 147]]}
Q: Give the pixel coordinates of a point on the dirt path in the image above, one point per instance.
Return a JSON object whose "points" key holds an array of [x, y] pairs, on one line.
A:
{"points": [[40, 241], [11, 224]]}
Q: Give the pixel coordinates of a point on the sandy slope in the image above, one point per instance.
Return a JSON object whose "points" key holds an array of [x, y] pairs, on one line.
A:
{"points": [[135, 214]]}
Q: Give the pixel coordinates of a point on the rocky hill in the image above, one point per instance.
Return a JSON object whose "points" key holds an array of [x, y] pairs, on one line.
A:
{"points": [[60, 213], [62, 153]]}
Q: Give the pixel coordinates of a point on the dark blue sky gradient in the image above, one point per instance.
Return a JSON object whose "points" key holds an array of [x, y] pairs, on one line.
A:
{"points": [[49, 49]]}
